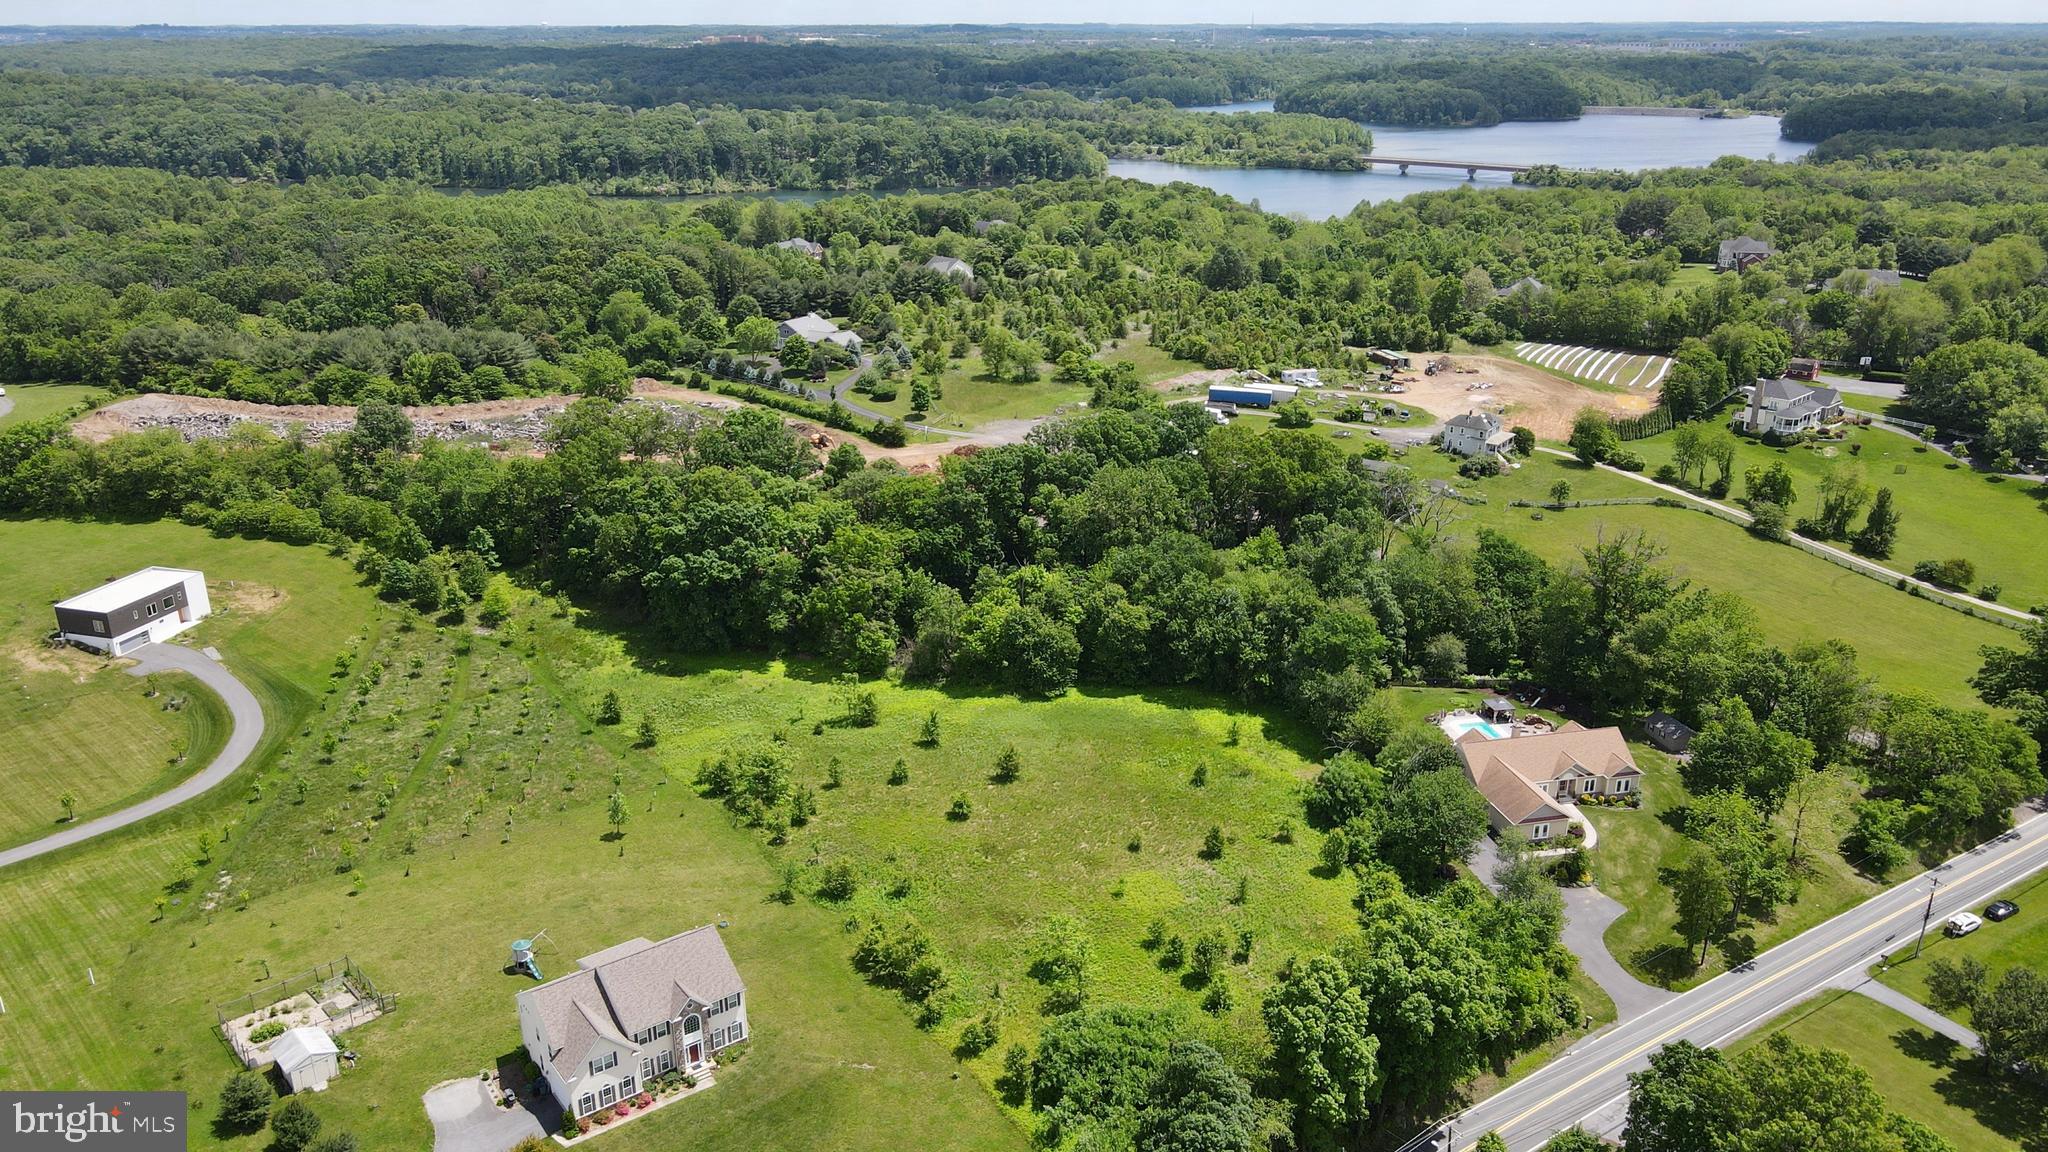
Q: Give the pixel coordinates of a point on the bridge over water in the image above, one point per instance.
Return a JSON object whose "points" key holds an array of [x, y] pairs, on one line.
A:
{"points": [[1472, 168]]}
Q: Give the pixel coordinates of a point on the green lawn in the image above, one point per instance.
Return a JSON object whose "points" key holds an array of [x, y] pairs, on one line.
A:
{"points": [[34, 401], [968, 398], [1688, 277], [58, 702], [1152, 363], [1905, 641], [1877, 404], [2022, 940], [1926, 1077], [63, 706], [1639, 847], [1946, 509], [448, 723]]}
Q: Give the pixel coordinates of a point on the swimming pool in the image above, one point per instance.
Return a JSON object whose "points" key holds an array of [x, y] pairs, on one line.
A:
{"points": [[1457, 724]]}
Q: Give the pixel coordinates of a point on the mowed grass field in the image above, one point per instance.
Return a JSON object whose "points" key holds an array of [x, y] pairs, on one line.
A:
{"points": [[91, 730], [1927, 1077], [35, 401], [1946, 510], [2022, 941], [1904, 641], [1640, 848], [89, 965], [968, 398]]}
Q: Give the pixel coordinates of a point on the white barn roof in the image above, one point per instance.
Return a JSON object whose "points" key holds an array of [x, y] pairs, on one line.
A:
{"points": [[127, 590]]}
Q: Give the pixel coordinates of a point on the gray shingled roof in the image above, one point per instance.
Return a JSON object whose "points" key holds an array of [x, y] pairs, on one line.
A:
{"points": [[629, 988], [1476, 421], [948, 265], [1744, 245]]}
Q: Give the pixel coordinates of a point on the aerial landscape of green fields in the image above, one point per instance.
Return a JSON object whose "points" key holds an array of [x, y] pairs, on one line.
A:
{"points": [[1175, 588]]}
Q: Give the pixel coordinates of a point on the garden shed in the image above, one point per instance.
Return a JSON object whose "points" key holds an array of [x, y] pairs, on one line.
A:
{"points": [[306, 1058]]}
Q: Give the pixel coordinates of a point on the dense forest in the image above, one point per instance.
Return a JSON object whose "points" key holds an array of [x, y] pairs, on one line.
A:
{"points": [[1440, 93], [318, 291], [1935, 89]]}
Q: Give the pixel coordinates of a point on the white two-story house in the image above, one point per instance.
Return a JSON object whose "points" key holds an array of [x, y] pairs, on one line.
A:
{"points": [[631, 1013], [1789, 407], [1477, 434]]}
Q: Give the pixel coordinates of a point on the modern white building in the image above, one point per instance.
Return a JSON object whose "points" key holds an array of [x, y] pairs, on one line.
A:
{"points": [[143, 607], [1301, 377], [631, 1013], [307, 1058]]}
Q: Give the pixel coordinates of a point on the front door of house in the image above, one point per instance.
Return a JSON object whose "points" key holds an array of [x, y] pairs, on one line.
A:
{"points": [[696, 1055]]}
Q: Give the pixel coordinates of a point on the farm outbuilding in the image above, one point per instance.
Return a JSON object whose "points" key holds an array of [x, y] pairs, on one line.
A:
{"points": [[1252, 395], [122, 615], [307, 1058]]}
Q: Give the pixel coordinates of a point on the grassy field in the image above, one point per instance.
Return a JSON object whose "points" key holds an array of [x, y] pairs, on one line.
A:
{"points": [[63, 704], [969, 399], [34, 401], [53, 694], [452, 723], [1688, 277], [1639, 848], [2022, 940], [1152, 363], [460, 806], [1904, 641], [1946, 510], [1927, 1077], [1105, 824], [1632, 367]]}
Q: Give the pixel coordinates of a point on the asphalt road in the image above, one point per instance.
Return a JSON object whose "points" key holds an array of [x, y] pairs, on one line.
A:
{"points": [[247, 718], [1588, 1085]]}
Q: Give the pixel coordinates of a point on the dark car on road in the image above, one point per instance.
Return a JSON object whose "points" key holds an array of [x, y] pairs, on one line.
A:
{"points": [[2001, 910]]}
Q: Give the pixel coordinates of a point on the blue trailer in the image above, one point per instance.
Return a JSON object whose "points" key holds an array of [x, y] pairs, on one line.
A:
{"points": [[1250, 395]]}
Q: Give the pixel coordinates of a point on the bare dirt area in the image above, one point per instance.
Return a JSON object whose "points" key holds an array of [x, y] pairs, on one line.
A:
{"points": [[521, 418], [243, 596], [513, 425], [1199, 379], [1526, 395], [34, 656]]}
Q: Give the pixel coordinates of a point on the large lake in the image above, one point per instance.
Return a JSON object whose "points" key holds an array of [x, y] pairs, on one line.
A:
{"points": [[1625, 142], [1630, 143]]}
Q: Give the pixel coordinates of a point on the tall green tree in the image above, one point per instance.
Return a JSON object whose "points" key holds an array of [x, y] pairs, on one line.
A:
{"points": [[1325, 1056]]}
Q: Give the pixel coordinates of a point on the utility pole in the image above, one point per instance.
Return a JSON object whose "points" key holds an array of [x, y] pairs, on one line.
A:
{"points": [[1926, 915]]}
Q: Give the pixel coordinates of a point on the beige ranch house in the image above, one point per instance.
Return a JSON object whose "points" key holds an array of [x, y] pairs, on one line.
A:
{"points": [[1531, 783], [630, 1013]]}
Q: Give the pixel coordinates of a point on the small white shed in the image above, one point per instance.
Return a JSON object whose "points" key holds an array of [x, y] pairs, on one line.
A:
{"points": [[306, 1058]]}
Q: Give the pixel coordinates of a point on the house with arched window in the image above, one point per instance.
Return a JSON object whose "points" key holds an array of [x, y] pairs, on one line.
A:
{"points": [[632, 1013]]}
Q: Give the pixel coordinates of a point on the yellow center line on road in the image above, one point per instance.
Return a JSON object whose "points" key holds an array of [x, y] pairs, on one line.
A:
{"points": [[1730, 1001]]}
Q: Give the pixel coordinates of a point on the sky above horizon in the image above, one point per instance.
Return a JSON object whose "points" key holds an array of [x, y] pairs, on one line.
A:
{"points": [[769, 12]]}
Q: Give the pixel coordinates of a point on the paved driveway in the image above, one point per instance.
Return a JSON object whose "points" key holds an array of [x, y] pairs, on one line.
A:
{"points": [[1587, 913], [465, 1120], [244, 713]]}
